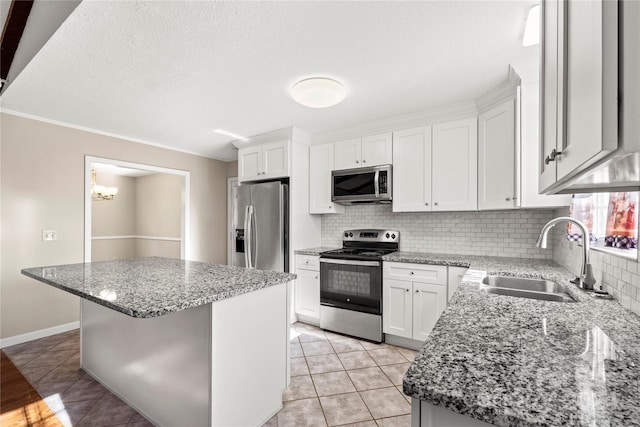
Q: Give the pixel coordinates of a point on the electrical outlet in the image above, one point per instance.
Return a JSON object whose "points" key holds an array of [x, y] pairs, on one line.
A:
{"points": [[49, 235]]}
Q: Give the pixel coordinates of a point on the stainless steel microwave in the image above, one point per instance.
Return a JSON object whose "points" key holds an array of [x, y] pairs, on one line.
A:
{"points": [[361, 185]]}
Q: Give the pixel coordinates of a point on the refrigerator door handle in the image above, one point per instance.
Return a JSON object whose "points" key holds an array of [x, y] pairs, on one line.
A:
{"points": [[247, 236], [254, 238]]}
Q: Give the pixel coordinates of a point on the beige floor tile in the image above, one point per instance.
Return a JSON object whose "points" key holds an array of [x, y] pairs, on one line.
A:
{"points": [[396, 372], [408, 398], [301, 413], [332, 383], [387, 356], [295, 350], [401, 421], [356, 360], [273, 422], [385, 402], [346, 345], [344, 409], [369, 378], [333, 336], [312, 335], [298, 366], [324, 363], [300, 388], [361, 424], [407, 353], [374, 346], [317, 347]]}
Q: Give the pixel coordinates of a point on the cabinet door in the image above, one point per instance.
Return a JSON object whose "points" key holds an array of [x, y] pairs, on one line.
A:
{"points": [[551, 133], [429, 301], [320, 167], [591, 84], [397, 308], [348, 154], [454, 278], [412, 170], [249, 163], [275, 159], [455, 166], [308, 293], [377, 150], [496, 157]]}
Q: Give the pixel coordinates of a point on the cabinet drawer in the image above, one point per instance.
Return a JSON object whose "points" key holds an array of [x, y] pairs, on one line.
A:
{"points": [[308, 262], [435, 274]]}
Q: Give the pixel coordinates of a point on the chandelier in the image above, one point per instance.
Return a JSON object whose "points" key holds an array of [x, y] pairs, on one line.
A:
{"points": [[100, 192]]}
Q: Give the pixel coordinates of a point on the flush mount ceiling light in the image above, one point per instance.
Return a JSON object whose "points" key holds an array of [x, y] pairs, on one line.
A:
{"points": [[532, 29], [318, 92]]}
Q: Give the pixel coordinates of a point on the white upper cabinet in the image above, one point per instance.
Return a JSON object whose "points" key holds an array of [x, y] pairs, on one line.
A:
{"points": [[455, 165], [497, 157], [370, 150], [412, 170], [321, 159], [266, 161], [579, 87]]}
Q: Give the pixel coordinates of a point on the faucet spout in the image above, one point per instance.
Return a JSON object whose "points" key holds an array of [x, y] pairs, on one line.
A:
{"points": [[586, 279]]}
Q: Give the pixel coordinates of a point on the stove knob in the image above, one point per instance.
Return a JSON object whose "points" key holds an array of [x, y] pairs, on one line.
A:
{"points": [[393, 236], [346, 234], [350, 234], [386, 235]]}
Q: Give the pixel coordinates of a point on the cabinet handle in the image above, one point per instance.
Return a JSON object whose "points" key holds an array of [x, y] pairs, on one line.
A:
{"points": [[411, 273], [426, 203], [552, 156], [357, 161], [330, 207], [436, 203], [315, 277], [507, 199], [306, 261], [407, 289], [417, 291], [364, 161]]}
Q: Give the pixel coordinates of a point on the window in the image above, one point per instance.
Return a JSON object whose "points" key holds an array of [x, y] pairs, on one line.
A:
{"points": [[612, 219]]}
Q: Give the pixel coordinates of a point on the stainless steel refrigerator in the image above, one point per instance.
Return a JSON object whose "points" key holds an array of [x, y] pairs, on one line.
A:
{"points": [[260, 226]]}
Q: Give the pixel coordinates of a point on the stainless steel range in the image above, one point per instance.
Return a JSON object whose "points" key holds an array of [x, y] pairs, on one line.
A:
{"points": [[351, 283]]}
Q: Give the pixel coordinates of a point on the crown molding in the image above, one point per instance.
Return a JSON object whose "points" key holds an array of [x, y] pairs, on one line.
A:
{"points": [[109, 134], [290, 134], [447, 113], [498, 94]]}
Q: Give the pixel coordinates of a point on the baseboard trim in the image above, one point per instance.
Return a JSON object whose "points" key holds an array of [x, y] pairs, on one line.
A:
{"points": [[30, 336], [403, 342]]}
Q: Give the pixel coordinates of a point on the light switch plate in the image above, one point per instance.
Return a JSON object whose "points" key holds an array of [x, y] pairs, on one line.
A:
{"points": [[49, 235]]}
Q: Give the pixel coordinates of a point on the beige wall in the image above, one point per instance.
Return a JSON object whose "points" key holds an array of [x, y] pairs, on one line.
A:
{"points": [[115, 217], [42, 187], [158, 205]]}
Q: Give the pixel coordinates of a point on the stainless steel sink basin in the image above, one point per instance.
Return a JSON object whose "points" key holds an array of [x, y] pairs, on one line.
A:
{"points": [[525, 288]]}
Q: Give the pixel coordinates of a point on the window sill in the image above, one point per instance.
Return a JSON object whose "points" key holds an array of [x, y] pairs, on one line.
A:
{"points": [[630, 254]]}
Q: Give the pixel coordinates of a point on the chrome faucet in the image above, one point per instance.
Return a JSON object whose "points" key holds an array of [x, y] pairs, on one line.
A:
{"points": [[586, 279]]}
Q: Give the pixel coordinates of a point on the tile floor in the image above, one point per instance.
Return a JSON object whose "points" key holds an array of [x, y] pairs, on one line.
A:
{"points": [[52, 366], [335, 380]]}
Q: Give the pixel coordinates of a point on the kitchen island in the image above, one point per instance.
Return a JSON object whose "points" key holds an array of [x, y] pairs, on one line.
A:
{"points": [[508, 361], [183, 342]]}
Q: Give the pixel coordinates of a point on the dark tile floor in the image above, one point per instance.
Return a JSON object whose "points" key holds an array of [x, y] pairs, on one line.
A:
{"points": [[52, 366], [335, 380]]}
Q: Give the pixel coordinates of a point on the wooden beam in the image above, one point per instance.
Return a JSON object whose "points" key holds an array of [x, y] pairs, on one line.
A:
{"points": [[12, 33]]}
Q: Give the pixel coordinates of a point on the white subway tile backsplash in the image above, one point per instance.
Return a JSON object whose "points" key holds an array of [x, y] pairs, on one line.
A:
{"points": [[503, 233]]}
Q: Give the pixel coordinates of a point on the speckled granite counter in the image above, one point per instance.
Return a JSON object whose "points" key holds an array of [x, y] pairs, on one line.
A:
{"points": [[149, 287], [314, 251], [512, 361]]}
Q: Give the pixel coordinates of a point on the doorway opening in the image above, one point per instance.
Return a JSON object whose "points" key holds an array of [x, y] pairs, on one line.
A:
{"points": [[148, 216]]}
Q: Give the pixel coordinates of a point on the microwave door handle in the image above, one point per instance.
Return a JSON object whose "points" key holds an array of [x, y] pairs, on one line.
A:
{"points": [[376, 183]]}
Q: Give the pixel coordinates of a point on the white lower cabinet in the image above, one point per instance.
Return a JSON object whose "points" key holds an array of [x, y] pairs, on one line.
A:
{"points": [[307, 291], [413, 298], [454, 277]]}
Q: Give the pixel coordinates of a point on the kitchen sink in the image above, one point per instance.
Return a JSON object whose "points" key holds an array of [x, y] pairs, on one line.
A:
{"points": [[539, 289]]}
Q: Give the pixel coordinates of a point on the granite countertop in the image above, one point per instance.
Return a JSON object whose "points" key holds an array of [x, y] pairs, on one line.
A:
{"points": [[150, 287], [314, 251], [512, 361]]}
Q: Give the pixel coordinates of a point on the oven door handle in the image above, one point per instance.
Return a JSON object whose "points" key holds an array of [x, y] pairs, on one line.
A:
{"points": [[350, 262]]}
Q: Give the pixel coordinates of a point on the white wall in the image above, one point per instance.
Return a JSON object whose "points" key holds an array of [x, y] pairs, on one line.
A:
{"points": [[42, 187]]}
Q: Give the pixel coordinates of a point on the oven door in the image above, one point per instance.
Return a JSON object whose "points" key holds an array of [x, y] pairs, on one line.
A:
{"points": [[351, 284]]}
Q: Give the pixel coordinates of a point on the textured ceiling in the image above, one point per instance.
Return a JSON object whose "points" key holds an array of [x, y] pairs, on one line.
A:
{"points": [[170, 72]]}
